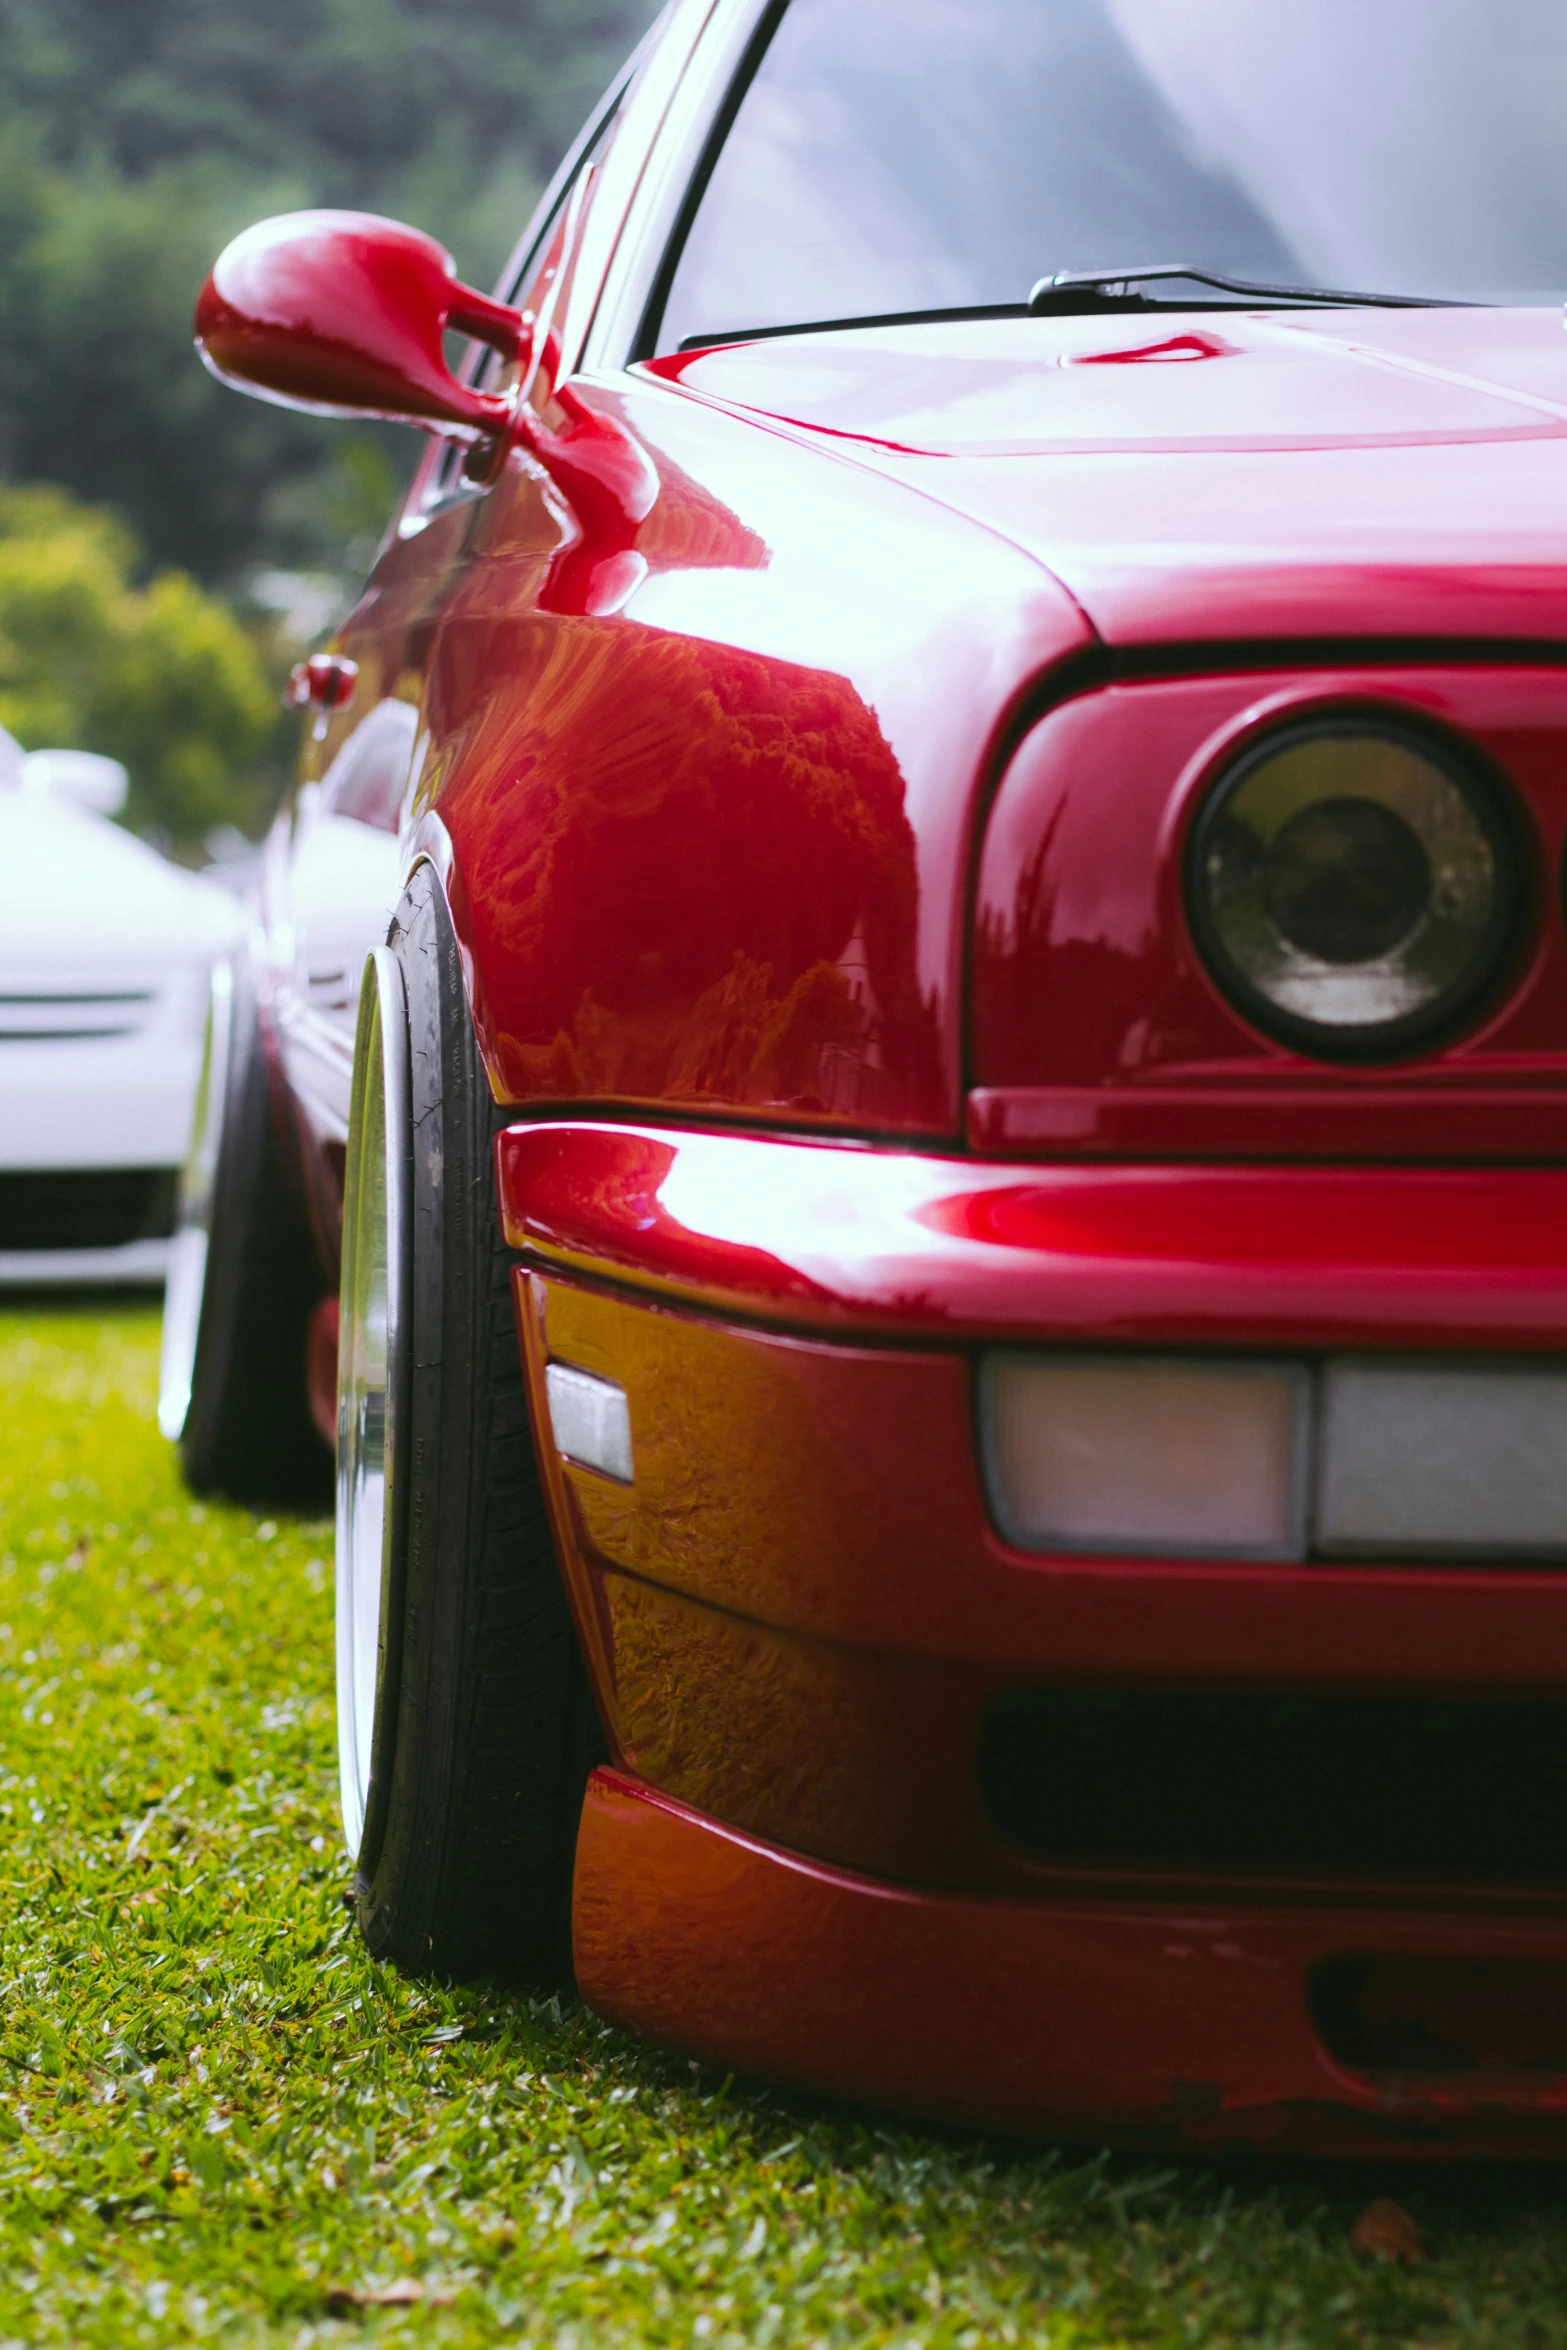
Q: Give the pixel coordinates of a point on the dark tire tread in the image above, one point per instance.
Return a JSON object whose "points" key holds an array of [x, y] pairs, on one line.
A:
{"points": [[495, 1730], [248, 1434]]}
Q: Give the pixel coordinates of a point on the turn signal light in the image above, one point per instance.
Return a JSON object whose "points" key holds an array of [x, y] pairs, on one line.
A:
{"points": [[1354, 1458], [1147, 1456]]}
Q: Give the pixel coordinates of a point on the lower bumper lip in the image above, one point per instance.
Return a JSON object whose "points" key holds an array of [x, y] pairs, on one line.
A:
{"points": [[899, 1244], [1185, 2024]]}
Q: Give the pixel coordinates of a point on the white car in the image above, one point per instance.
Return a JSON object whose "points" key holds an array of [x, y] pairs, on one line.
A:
{"points": [[106, 955]]}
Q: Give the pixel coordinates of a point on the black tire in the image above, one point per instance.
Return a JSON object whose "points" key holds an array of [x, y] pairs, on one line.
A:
{"points": [[248, 1435], [485, 1729]]}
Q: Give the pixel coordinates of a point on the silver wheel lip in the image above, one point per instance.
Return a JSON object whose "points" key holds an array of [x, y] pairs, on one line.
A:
{"points": [[186, 1283], [382, 1019]]}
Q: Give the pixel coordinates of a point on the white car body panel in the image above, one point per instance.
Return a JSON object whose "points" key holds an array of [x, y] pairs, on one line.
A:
{"points": [[331, 886], [105, 956]]}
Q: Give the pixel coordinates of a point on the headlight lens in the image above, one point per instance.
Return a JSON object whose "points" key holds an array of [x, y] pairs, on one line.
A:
{"points": [[1353, 889]]}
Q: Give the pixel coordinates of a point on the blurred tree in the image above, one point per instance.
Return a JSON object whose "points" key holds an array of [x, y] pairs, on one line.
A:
{"points": [[136, 136], [162, 677], [348, 95], [99, 385]]}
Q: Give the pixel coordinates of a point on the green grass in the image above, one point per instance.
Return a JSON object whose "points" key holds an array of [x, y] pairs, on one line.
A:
{"points": [[219, 2119]]}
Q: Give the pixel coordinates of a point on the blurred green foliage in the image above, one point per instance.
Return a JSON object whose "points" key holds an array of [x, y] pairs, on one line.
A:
{"points": [[136, 136], [160, 676]]}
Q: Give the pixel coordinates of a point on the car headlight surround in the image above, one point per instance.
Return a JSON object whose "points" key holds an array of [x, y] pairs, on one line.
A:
{"points": [[1355, 886]]}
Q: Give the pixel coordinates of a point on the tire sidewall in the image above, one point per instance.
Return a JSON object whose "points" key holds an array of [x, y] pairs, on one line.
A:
{"points": [[430, 1531], [494, 1730], [248, 1433]]}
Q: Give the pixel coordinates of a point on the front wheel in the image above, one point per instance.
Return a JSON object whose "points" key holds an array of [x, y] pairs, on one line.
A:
{"points": [[465, 1726]]}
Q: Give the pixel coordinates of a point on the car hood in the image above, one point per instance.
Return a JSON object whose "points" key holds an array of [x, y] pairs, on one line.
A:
{"points": [[1206, 475], [80, 898]]}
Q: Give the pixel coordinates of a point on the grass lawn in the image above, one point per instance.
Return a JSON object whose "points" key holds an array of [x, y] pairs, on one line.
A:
{"points": [[221, 2122]]}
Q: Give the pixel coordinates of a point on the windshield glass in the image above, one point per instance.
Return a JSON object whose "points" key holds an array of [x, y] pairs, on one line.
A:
{"points": [[903, 155]]}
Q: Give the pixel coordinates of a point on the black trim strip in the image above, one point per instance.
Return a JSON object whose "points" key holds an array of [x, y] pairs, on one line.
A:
{"points": [[834, 326], [645, 342]]}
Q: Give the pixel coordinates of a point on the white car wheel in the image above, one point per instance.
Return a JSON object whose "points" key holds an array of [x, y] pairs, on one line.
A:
{"points": [[371, 1399], [187, 1277], [246, 1282]]}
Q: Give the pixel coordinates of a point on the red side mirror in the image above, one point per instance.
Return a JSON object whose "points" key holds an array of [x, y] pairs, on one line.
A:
{"points": [[344, 313]]}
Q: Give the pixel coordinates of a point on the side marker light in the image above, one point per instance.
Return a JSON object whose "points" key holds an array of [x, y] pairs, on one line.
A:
{"points": [[590, 1419]]}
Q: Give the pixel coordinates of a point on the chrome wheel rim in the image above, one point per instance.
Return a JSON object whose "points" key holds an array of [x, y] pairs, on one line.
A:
{"points": [[370, 1403], [187, 1275]]}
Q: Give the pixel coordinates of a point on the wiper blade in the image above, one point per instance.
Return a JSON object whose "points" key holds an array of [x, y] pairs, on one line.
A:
{"points": [[1075, 290], [716, 339]]}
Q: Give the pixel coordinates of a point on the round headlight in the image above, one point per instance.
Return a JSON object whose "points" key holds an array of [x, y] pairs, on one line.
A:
{"points": [[1354, 889]]}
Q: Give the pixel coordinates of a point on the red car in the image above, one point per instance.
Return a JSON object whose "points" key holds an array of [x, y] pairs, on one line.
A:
{"points": [[951, 1419]]}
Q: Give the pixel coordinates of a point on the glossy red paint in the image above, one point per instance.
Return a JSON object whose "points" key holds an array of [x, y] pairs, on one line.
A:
{"points": [[1365, 477], [343, 313], [612, 486], [799, 1616], [1162, 352], [1179, 2024], [1094, 1023], [891, 1244], [796, 1621], [799, 1613], [1382, 1115], [806, 735], [321, 1369], [710, 819], [745, 1000]]}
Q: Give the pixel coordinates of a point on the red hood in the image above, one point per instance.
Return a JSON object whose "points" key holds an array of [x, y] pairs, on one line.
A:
{"points": [[1350, 473]]}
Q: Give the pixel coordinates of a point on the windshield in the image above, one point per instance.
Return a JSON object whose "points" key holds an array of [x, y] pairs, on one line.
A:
{"points": [[910, 155]]}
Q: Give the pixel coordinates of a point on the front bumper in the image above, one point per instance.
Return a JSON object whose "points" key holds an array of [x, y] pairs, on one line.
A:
{"points": [[800, 1620], [892, 1246], [1184, 2025]]}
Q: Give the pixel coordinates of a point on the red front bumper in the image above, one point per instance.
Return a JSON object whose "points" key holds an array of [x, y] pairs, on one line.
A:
{"points": [[1178, 2024], [799, 1615]]}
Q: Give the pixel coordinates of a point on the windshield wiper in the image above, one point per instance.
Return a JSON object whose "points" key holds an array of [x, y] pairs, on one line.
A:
{"points": [[718, 337], [1076, 290]]}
